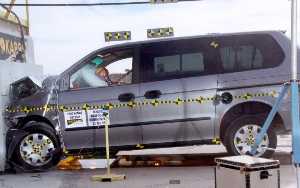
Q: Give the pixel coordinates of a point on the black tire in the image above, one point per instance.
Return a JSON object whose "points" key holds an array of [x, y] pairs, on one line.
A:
{"points": [[243, 121], [55, 154]]}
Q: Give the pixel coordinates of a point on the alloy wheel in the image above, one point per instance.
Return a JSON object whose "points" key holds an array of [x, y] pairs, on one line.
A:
{"points": [[36, 148], [244, 139]]}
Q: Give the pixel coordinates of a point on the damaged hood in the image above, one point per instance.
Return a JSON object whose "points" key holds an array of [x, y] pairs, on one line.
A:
{"points": [[28, 86]]}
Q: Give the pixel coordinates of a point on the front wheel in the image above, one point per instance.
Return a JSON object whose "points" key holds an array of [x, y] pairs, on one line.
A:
{"points": [[241, 134], [39, 148]]}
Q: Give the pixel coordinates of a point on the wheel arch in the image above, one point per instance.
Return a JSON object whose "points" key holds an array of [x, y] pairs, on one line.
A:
{"points": [[249, 108], [23, 121]]}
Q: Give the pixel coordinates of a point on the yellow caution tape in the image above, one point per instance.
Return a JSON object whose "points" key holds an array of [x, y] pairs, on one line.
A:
{"points": [[132, 104]]}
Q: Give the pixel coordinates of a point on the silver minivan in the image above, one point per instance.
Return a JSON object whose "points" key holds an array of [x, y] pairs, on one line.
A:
{"points": [[158, 93]]}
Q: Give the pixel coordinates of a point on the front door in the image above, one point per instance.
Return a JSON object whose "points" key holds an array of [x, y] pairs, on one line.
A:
{"points": [[104, 80], [179, 81]]}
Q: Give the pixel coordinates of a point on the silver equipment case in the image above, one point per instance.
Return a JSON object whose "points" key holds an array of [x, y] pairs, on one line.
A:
{"points": [[247, 172]]}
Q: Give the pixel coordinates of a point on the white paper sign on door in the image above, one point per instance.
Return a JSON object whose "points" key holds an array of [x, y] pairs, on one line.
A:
{"points": [[75, 119], [96, 117]]}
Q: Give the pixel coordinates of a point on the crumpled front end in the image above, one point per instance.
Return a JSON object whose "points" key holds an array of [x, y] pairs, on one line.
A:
{"points": [[30, 102]]}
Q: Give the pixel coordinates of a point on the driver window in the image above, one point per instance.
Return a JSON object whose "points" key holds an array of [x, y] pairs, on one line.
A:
{"points": [[120, 71], [104, 70]]}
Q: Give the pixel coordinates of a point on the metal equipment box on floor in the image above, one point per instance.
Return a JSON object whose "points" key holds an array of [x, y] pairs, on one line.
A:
{"points": [[247, 172]]}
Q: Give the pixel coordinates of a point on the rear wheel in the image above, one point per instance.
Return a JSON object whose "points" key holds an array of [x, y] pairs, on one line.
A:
{"points": [[39, 149], [241, 134]]}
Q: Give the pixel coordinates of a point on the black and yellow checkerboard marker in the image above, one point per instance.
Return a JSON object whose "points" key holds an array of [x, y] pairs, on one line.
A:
{"points": [[117, 36], [162, 1], [160, 32], [216, 141], [108, 177], [214, 44]]}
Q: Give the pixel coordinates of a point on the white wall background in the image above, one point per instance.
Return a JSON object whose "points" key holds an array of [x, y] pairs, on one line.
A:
{"points": [[63, 35]]}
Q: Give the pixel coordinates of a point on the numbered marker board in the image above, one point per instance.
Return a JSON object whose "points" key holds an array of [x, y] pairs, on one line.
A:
{"points": [[97, 117], [86, 118], [75, 119]]}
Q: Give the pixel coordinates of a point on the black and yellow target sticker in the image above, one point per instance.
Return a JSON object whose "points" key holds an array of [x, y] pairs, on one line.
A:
{"points": [[162, 1], [117, 36], [160, 32], [214, 44]]}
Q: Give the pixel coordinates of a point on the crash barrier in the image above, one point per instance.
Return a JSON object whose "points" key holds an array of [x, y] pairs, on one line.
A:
{"points": [[133, 104]]}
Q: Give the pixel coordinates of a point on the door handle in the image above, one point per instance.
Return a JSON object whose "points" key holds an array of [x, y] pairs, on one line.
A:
{"points": [[153, 94], [126, 97]]}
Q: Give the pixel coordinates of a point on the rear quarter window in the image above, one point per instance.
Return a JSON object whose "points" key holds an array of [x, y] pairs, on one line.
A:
{"points": [[249, 52]]}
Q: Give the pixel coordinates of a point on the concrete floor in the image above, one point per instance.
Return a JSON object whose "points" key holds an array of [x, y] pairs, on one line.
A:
{"points": [[156, 177], [150, 177]]}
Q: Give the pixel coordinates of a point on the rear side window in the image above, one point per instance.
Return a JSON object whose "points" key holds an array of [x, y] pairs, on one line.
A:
{"points": [[193, 61], [177, 59], [248, 52], [179, 63], [167, 64]]}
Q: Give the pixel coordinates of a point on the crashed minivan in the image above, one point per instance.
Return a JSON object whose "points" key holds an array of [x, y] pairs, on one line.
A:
{"points": [[158, 93]]}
